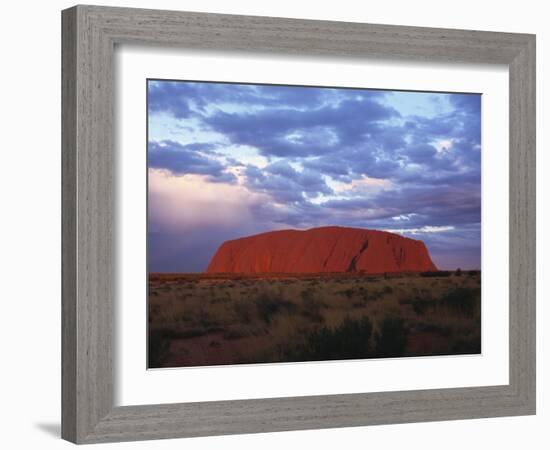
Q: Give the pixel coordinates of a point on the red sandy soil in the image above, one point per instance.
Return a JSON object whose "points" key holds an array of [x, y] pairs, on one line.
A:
{"points": [[425, 343], [199, 319], [212, 349]]}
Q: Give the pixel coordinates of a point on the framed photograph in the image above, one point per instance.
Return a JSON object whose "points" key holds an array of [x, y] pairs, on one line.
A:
{"points": [[255, 209]]}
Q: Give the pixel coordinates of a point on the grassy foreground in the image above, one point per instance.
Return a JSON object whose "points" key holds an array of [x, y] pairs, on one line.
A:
{"points": [[199, 320]]}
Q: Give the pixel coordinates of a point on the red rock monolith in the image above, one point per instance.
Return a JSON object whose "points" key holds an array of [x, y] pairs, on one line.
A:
{"points": [[324, 249]]}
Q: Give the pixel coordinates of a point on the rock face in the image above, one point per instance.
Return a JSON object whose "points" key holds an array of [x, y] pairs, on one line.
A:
{"points": [[324, 249]]}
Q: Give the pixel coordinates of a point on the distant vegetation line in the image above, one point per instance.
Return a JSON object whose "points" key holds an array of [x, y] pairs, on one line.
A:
{"points": [[165, 276]]}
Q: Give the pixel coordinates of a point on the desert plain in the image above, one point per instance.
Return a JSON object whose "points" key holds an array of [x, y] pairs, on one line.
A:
{"points": [[217, 319]]}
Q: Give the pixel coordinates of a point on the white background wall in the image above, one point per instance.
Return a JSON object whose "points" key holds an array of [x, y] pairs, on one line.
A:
{"points": [[30, 222]]}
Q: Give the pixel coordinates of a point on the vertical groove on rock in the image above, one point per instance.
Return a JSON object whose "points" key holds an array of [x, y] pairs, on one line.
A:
{"points": [[353, 263], [331, 252]]}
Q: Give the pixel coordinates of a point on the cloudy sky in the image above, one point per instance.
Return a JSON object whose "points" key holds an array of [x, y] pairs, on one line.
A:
{"points": [[230, 160]]}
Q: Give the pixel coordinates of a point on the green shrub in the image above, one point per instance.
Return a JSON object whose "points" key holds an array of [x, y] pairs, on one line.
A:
{"points": [[387, 290], [312, 307], [463, 346], [421, 306], [461, 300], [268, 305], [157, 348], [350, 340], [242, 310], [233, 334], [436, 273], [391, 338], [348, 292]]}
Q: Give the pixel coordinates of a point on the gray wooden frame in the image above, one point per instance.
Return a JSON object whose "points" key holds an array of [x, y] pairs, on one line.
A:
{"points": [[89, 36]]}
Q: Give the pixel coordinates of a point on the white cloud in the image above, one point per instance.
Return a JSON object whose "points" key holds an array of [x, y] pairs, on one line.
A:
{"points": [[361, 185], [421, 230], [404, 217], [163, 126], [191, 201], [444, 145]]}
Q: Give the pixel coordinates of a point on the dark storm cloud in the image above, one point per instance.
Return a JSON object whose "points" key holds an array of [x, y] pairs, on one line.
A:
{"points": [[186, 159], [336, 168], [467, 103], [185, 99], [407, 151], [169, 97], [286, 184], [294, 133]]}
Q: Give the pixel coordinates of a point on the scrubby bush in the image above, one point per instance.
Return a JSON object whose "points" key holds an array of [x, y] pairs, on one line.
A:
{"points": [[268, 305], [242, 310], [348, 292], [233, 334], [421, 306], [470, 345], [312, 307], [436, 273], [350, 340], [461, 300], [157, 349], [387, 290], [391, 338]]}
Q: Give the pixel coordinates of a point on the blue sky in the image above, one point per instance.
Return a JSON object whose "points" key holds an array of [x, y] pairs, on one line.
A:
{"points": [[230, 160]]}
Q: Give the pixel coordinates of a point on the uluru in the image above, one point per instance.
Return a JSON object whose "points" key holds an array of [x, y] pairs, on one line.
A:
{"points": [[322, 250]]}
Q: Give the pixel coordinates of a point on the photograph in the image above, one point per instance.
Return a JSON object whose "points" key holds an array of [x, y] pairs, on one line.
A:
{"points": [[291, 224]]}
